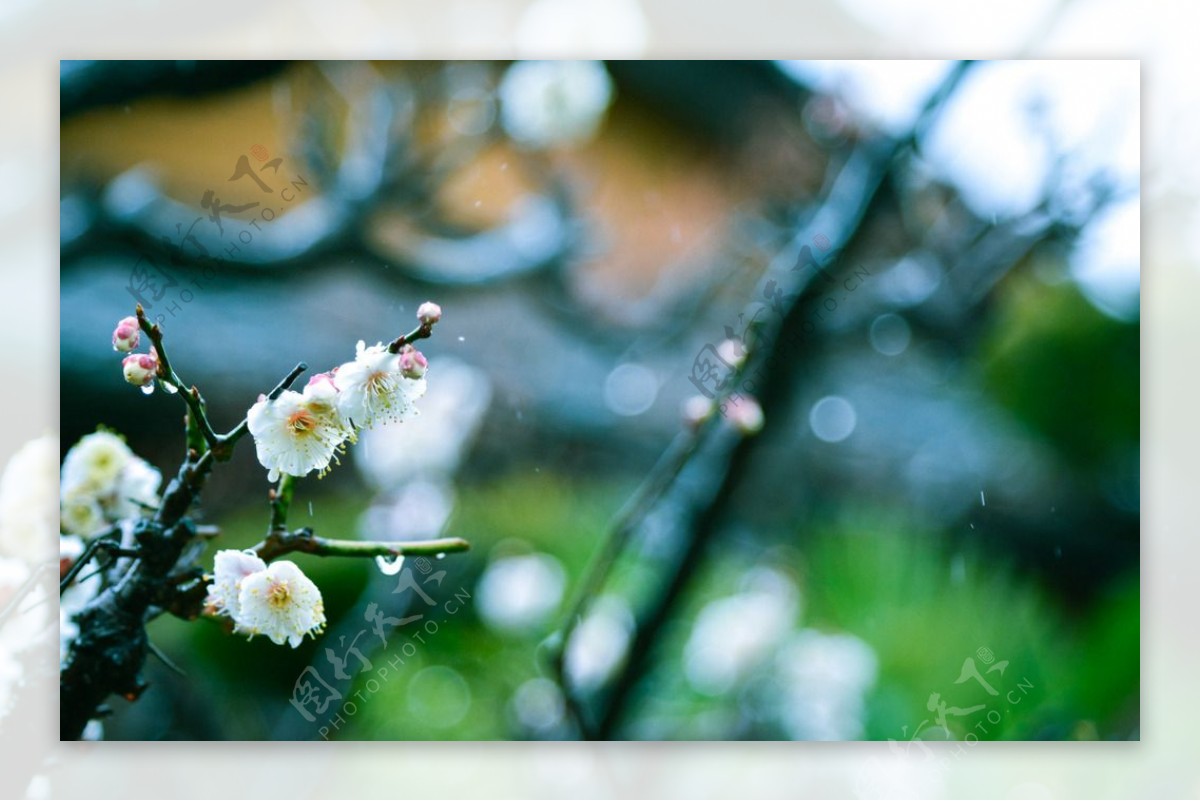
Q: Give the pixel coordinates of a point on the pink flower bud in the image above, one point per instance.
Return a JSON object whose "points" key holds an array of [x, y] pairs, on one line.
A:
{"points": [[412, 362], [745, 414], [322, 378], [140, 368], [429, 313], [732, 351], [126, 335]]}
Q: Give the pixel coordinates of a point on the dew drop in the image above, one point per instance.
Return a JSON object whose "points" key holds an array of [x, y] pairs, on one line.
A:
{"points": [[148, 389], [440, 556], [389, 565]]}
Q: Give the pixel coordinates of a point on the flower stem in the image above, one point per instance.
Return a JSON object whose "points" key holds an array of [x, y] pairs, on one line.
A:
{"points": [[422, 331], [191, 396], [281, 502]]}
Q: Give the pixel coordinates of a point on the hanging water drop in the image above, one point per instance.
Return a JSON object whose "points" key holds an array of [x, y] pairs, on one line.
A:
{"points": [[389, 565], [440, 556], [148, 389]]}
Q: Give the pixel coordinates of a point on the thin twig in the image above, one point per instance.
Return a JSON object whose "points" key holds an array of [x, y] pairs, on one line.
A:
{"points": [[166, 373], [422, 331], [304, 540]]}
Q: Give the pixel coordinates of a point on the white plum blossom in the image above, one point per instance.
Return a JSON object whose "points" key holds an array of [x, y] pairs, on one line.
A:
{"points": [[103, 481], [548, 103], [137, 489], [374, 388], [28, 489], [296, 433], [81, 515], [280, 603], [277, 601], [230, 567], [94, 464]]}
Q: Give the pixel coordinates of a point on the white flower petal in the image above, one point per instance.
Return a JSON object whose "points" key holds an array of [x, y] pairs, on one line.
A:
{"points": [[230, 567], [373, 389], [294, 434], [280, 603]]}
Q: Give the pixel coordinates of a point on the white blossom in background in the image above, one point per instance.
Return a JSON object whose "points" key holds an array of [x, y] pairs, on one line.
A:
{"points": [[280, 603], [553, 103], [417, 510], [295, 433], [538, 705], [736, 634], [94, 464], [451, 414], [374, 389], [599, 642], [825, 679], [517, 593], [81, 515], [28, 492], [103, 481], [137, 489]]}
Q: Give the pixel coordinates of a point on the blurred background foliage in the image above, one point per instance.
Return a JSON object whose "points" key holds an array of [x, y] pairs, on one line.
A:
{"points": [[954, 479]]}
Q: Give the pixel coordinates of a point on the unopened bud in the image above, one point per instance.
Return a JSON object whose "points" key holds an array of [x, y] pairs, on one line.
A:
{"points": [[322, 379], [140, 368], [126, 335], [412, 362], [732, 351], [746, 415], [696, 410], [429, 313]]}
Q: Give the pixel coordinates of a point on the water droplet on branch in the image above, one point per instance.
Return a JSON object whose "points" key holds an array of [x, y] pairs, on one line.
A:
{"points": [[389, 565]]}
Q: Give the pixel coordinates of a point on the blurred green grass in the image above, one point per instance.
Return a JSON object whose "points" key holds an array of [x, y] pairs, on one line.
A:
{"points": [[922, 606]]}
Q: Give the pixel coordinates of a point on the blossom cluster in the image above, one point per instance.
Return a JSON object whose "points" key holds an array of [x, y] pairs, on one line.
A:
{"points": [[277, 601], [103, 481], [139, 369], [298, 432]]}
